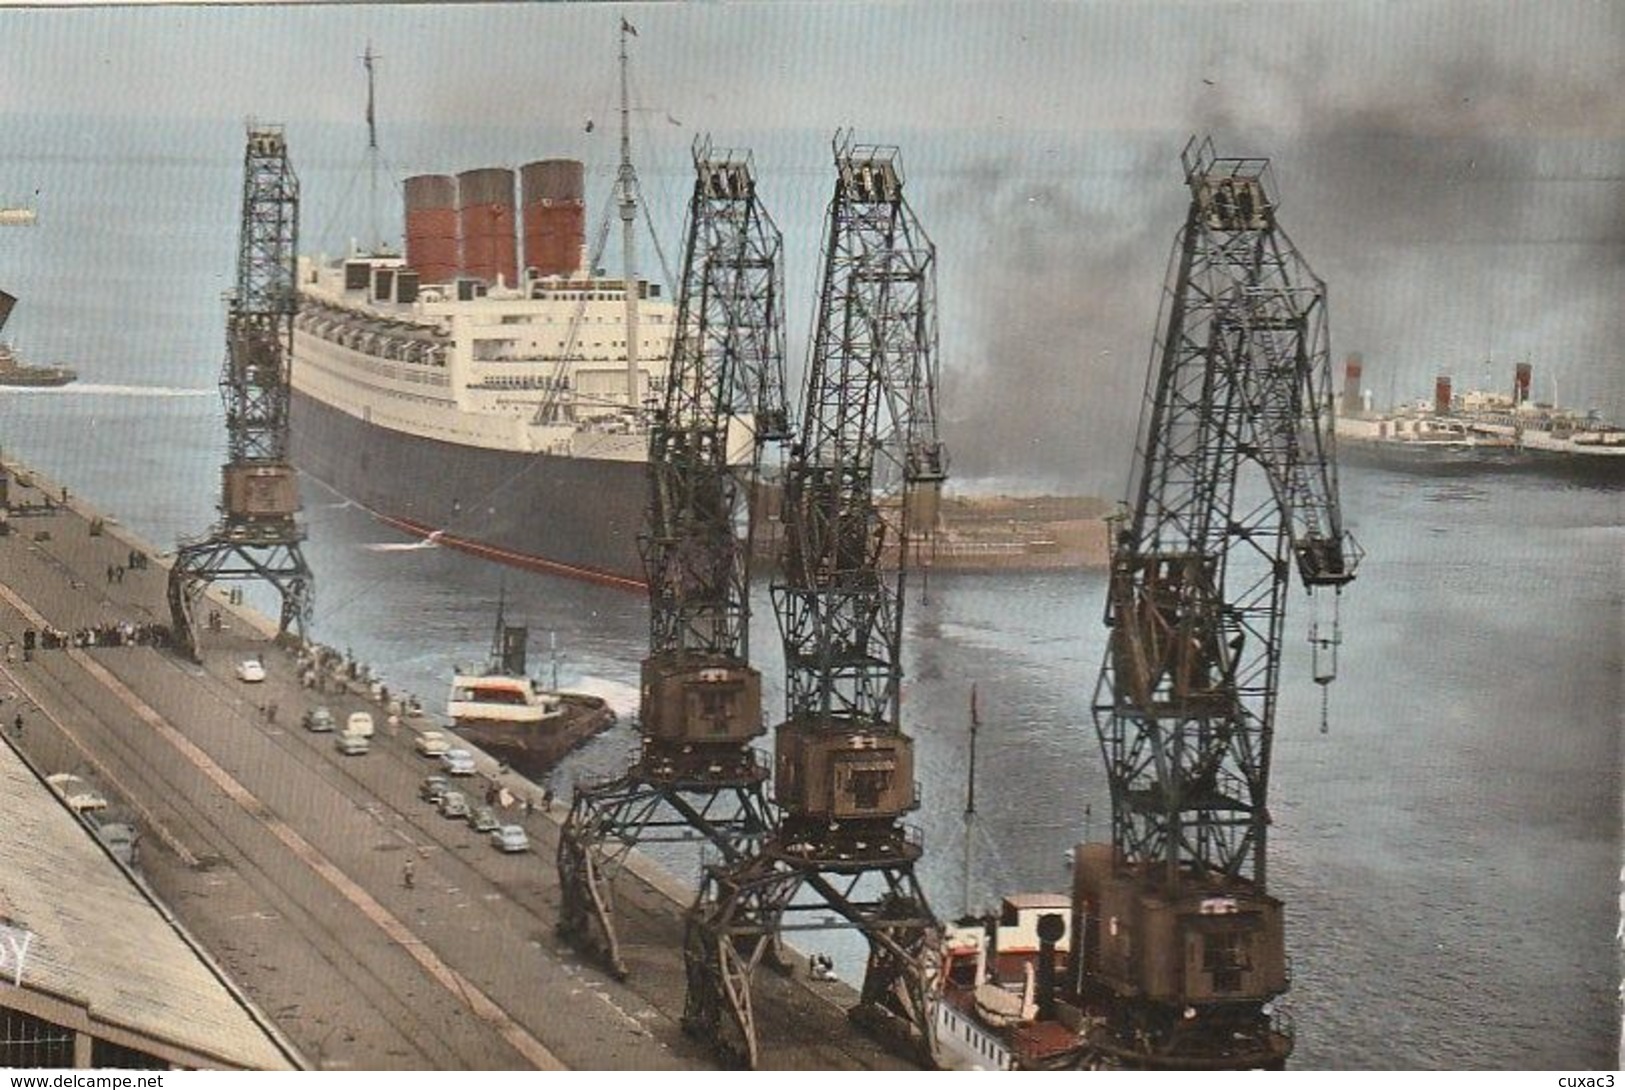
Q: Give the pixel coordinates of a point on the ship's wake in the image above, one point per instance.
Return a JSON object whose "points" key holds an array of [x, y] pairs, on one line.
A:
{"points": [[430, 542], [621, 697], [102, 389]]}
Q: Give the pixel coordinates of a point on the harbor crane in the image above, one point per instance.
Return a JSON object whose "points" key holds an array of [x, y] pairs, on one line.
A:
{"points": [[1182, 946], [701, 700], [258, 535], [865, 474]]}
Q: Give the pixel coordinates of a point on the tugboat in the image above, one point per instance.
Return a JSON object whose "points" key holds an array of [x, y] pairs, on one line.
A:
{"points": [[503, 710], [997, 1006]]}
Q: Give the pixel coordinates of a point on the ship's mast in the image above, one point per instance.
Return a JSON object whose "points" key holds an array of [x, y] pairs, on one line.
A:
{"points": [[629, 211], [372, 152]]}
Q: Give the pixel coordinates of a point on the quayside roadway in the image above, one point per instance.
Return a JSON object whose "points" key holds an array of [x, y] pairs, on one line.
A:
{"points": [[286, 859]]}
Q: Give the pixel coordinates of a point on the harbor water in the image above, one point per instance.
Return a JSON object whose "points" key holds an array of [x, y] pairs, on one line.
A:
{"points": [[1447, 849]]}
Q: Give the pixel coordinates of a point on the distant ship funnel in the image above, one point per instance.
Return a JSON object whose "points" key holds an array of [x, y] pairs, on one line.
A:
{"points": [[1521, 376], [1353, 369]]}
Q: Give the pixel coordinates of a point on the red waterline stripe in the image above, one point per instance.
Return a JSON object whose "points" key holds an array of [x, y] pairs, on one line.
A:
{"points": [[523, 560]]}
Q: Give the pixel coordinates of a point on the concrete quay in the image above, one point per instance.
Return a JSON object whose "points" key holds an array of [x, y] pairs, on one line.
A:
{"points": [[287, 860]]}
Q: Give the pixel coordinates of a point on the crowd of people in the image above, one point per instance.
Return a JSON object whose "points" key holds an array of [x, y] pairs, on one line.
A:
{"points": [[107, 634], [321, 667]]}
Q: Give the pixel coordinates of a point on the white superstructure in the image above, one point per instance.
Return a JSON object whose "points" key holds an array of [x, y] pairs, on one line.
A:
{"points": [[1490, 420], [499, 698], [478, 371]]}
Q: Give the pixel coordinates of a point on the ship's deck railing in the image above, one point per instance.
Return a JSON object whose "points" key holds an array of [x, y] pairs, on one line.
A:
{"points": [[520, 382], [364, 337]]}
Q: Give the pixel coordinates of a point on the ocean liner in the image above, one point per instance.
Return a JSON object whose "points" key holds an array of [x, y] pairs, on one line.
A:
{"points": [[486, 388], [1477, 431]]}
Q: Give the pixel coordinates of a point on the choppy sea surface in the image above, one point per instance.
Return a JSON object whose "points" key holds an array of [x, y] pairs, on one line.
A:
{"points": [[1448, 850]]}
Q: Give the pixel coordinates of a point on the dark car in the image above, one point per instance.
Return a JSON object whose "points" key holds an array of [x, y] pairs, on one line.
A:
{"points": [[433, 789]]}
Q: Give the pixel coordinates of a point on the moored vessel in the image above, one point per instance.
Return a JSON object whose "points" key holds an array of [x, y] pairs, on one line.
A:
{"points": [[503, 710], [489, 385], [996, 1005]]}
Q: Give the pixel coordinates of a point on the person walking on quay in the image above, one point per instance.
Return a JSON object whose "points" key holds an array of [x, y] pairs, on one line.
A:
{"points": [[17, 725], [408, 875]]}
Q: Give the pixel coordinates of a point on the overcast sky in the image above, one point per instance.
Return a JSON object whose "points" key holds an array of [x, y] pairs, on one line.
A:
{"points": [[1455, 171]]}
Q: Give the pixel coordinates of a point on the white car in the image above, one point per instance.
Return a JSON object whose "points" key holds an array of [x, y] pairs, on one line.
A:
{"points": [[250, 670], [359, 724], [79, 795], [510, 838], [458, 762], [432, 743]]}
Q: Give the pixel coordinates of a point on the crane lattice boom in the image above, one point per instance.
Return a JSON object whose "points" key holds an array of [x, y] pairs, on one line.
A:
{"points": [[1235, 484]]}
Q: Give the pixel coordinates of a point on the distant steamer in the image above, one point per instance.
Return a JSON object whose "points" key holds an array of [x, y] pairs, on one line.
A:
{"points": [[1479, 430], [13, 371]]}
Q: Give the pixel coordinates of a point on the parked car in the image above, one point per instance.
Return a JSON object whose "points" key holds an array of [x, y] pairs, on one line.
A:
{"points": [[458, 762], [250, 670], [359, 723], [454, 804], [319, 720], [510, 838], [432, 743], [79, 795], [121, 840], [352, 745], [483, 819], [433, 788]]}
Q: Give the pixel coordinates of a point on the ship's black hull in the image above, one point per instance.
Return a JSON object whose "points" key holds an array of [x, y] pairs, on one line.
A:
{"points": [[1449, 460], [574, 517], [37, 377]]}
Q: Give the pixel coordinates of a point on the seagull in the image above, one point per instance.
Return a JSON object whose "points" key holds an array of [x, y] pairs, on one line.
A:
{"points": [[673, 120]]}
